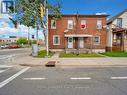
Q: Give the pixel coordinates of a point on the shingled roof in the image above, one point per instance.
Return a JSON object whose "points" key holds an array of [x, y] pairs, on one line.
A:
{"points": [[115, 17]]}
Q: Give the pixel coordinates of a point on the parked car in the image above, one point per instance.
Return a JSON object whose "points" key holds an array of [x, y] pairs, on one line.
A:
{"points": [[13, 46], [4, 46]]}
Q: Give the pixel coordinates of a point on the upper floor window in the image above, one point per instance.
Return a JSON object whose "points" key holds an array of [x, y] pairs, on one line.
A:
{"points": [[53, 24], [96, 40], [119, 22], [70, 24], [99, 24], [83, 24], [6, 6]]}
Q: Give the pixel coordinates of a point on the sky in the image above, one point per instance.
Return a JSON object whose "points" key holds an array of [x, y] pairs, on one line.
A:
{"points": [[111, 7]]}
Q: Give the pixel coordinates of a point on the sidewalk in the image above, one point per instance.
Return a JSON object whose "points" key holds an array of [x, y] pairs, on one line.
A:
{"points": [[107, 61]]}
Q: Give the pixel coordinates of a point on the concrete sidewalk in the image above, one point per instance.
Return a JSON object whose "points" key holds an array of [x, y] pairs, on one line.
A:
{"points": [[110, 61]]}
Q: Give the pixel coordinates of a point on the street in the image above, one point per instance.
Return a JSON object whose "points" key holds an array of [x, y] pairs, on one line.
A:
{"points": [[60, 80]]}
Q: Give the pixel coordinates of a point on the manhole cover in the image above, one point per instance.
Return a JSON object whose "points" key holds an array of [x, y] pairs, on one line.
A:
{"points": [[50, 64]]}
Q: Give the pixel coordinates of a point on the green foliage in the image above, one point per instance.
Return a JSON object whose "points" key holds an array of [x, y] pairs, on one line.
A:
{"points": [[30, 10], [42, 53], [116, 54], [22, 41], [80, 55]]}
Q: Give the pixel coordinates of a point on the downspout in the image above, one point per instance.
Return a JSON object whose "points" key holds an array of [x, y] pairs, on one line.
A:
{"points": [[76, 33]]}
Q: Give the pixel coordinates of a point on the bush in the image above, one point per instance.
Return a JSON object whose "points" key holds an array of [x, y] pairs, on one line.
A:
{"points": [[21, 41]]}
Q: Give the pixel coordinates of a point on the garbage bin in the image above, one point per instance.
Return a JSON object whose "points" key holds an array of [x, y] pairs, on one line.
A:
{"points": [[34, 49]]}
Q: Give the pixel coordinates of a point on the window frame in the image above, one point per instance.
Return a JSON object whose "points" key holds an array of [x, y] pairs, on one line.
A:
{"points": [[81, 24], [99, 40], [6, 6], [99, 24], [52, 21], [119, 24], [54, 40], [68, 24]]}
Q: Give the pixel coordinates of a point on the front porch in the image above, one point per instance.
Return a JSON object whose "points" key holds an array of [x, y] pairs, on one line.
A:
{"points": [[79, 43], [119, 40]]}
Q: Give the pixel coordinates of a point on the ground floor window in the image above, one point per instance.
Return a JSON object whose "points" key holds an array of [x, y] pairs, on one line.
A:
{"points": [[97, 40], [56, 40]]}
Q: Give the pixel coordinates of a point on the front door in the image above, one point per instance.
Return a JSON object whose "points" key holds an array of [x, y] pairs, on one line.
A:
{"points": [[70, 42], [81, 43]]}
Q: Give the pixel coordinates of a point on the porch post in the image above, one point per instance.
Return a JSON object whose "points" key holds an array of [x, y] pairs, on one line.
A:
{"points": [[109, 40], [123, 41], [92, 44]]}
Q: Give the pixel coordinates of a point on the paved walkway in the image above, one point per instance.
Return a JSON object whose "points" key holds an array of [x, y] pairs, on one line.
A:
{"points": [[107, 61]]}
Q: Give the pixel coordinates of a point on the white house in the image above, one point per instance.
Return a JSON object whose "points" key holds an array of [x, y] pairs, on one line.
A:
{"points": [[117, 32]]}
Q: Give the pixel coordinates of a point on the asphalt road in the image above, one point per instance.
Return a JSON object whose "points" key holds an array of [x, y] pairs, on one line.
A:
{"points": [[7, 54], [64, 81]]}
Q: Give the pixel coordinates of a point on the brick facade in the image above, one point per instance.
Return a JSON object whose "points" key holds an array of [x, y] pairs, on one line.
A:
{"points": [[91, 29]]}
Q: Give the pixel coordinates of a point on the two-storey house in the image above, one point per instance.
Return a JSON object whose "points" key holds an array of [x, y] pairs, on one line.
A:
{"points": [[82, 33], [117, 32]]}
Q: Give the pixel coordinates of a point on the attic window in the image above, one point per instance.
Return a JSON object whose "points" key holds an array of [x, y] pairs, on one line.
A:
{"points": [[119, 22]]}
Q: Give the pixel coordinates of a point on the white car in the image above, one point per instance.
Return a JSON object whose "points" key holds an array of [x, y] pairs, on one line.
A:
{"points": [[3, 46]]}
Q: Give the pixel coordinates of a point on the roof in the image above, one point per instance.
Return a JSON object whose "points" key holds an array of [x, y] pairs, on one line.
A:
{"points": [[83, 15], [115, 17]]}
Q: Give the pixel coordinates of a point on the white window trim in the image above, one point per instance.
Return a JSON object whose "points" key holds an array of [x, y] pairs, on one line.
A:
{"points": [[98, 42], [68, 24], [101, 24], [58, 39], [81, 23], [52, 27]]}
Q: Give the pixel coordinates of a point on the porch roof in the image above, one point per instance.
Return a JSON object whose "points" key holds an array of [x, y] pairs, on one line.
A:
{"points": [[78, 35], [119, 29]]}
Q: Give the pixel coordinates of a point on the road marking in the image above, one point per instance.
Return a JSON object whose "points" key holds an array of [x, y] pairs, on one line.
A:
{"points": [[81, 78], [118, 77], [1, 71], [2, 84], [34, 78], [5, 66]]}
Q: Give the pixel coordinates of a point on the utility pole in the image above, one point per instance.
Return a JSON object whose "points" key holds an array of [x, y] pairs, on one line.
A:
{"points": [[28, 35], [47, 44]]}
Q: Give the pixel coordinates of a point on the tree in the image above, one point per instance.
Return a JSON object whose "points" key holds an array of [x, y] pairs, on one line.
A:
{"points": [[22, 41], [28, 13]]}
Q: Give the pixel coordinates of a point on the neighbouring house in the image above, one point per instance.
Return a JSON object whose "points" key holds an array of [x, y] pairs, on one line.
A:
{"points": [[78, 33], [9, 40], [117, 32]]}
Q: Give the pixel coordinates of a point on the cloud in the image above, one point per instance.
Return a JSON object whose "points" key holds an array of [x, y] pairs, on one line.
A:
{"points": [[7, 30]]}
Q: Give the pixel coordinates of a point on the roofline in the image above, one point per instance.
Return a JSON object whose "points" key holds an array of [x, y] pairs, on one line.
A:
{"points": [[83, 15], [114, 17]]}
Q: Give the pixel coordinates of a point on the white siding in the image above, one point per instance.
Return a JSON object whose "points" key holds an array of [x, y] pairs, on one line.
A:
{"points": [[124, 20]]}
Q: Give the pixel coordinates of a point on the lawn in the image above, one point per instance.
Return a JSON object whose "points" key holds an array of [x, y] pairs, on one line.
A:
{"points": [[115, 54], [42, 54], [81, 55]]}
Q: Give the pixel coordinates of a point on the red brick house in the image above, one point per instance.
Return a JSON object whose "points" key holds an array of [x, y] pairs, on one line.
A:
{"points": [[80, 33]]}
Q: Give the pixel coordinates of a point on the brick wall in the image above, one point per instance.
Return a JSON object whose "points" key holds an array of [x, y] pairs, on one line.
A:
{"points": [[91, 29]]}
